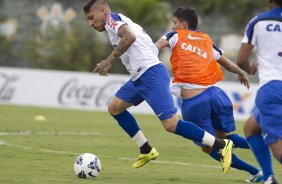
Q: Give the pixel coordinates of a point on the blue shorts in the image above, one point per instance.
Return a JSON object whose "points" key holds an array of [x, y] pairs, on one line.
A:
{"points": [[211, 110], [153, 87], [269, 115]]}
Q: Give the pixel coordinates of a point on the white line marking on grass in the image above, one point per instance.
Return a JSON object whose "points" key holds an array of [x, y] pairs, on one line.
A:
{"points": [[49, 133], [120, 158], [176, 163]]}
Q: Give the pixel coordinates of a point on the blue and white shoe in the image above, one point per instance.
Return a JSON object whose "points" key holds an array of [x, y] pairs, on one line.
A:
{"points": [[255, 178], [270, 180]]}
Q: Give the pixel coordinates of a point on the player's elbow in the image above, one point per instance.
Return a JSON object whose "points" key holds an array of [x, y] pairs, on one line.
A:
{"points": [[158, 46], [131, 38]]}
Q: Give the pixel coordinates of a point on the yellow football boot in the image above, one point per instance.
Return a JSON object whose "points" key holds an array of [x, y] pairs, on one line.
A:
{"points": [[145, 158], [226, 155]]}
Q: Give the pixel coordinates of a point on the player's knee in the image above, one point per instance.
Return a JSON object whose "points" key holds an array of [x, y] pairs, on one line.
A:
{"points": [[170, 124], [247, 130], [169, 128], [114, 109], [251, 127]]}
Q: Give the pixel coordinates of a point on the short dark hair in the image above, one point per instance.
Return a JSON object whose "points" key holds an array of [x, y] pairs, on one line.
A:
{"points": [[88, 6], [188, 14], [278, 2]]}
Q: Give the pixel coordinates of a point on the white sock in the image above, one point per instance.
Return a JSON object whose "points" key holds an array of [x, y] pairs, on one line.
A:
{"points": [[139, 138], [208, 139]]}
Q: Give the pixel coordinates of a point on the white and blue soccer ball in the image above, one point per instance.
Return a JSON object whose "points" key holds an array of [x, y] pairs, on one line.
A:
{"points": [[87, 166]]}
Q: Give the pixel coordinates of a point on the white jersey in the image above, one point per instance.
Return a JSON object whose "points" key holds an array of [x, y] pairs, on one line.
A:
{"points": [[142, 54], [265, 33]]}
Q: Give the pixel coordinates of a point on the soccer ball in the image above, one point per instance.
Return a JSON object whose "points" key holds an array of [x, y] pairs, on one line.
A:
{"points": [[87, 166]]}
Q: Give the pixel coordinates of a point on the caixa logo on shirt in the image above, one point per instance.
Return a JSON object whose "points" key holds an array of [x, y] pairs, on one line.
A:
{"points": [[7, 90], [75, 93]]}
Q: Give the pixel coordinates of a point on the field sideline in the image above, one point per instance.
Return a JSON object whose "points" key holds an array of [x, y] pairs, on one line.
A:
{"points": [[44, 151]]}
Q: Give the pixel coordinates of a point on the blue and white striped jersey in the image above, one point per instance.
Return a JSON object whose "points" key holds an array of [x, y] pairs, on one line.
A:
{"points": [[265, 33]]}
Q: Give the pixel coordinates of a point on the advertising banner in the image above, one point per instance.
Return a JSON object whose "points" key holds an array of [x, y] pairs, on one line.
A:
{"points": [[89, 91]]}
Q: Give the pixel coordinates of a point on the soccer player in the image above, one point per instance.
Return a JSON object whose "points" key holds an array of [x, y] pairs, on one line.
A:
{"points": [[149, 81], [264, 128], [195, 67]]}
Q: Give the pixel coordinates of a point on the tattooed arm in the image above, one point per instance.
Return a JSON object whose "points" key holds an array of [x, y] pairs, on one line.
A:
{"points": [[127, 39]]}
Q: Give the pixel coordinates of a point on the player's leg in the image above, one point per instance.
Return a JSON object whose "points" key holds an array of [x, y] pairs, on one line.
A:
{"points": [[223, 119], [255, 174], [154, 85], [155, 90], [125, 97], [260, 149], [202, 104], [269, 103], [276, 149], [223, 122], [198, 110]]}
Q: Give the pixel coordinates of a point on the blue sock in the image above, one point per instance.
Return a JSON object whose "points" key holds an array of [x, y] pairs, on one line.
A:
{"points": [[281, 160], [237, 163], [262, 154], [127, 123], [189, 130], [238, 141]]}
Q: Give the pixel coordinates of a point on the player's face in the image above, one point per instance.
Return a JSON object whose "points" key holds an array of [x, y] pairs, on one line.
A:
{"points": [[96, 19], [178, 24]]}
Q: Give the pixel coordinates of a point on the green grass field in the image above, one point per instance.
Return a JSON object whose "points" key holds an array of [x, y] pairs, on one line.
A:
{"points": [[44, 151]]}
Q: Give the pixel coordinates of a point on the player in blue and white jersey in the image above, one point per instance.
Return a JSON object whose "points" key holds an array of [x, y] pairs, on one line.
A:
{"points": [[264, 128], [149, 82]]}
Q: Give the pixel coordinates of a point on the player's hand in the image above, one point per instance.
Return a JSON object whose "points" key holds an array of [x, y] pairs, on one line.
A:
{"points": [[103, 67], [244, 80]]}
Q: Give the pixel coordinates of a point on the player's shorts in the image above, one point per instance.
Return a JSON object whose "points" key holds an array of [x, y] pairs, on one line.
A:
{"points": [[269, 104], [211, 110], [153, 87], [268, 138]]}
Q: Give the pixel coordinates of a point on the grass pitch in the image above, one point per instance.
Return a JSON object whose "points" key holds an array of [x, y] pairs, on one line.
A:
{"points": [[43, 152]]}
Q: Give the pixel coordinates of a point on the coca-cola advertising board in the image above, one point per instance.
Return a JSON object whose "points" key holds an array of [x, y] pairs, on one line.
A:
{"points": [[89, 91]]}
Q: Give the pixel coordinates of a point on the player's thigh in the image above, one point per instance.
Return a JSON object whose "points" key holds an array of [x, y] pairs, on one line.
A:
{"points": [[153, 86], [125, 97], [198, 110], [222, 111], [251, 126]]}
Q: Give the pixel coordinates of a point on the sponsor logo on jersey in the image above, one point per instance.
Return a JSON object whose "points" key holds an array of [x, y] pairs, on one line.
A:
{"points": [[273, 28], [194, 49], [111, 22], [190, 37]]}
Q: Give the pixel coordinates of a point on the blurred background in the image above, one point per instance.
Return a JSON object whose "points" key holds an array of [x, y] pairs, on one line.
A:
{"points": [[54, 34], [52, 107]]}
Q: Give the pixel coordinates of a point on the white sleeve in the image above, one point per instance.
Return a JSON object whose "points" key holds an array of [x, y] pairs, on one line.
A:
{"points": [[250, 32], [250, 40], [172, 38], [217, 52], [113, 23]]}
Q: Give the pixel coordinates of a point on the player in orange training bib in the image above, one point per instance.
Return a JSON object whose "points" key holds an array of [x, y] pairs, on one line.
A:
{"points": [[195, 63]]}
